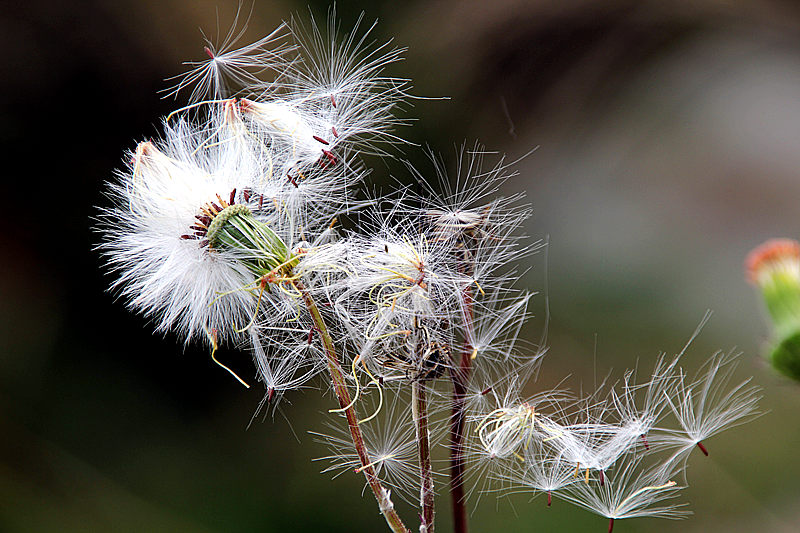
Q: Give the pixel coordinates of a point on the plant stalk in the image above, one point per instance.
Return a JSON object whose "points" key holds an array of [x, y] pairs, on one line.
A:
{"points": [[382, 495], [460, 376], [419, 405]]}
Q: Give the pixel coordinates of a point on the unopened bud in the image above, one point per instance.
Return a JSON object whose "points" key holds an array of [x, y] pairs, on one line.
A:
{"points": [[774, 267]]}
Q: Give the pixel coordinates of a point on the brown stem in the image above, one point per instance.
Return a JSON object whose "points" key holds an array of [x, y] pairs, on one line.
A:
{"points": [[420, 410], [381, 494], [461, 378]]}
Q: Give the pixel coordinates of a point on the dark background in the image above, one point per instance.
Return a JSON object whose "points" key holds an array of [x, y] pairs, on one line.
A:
{"points": [[669, 145]]}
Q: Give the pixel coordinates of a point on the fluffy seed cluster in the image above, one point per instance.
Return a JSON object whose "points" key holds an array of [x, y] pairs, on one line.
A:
{"points": [[273, 144], [619, 455], [224, 231]]}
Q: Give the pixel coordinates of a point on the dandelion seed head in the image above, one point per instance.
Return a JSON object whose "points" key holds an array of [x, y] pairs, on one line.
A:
{"points": [[154, 237]]}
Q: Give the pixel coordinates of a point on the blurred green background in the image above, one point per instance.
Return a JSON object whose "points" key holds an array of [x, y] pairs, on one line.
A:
{"points": [[669, 145]]}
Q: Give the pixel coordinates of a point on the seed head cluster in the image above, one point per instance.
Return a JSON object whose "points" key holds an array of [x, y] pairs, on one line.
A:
{"points": [[224, 230]]}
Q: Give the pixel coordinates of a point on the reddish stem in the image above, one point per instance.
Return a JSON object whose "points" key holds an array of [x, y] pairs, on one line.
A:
{"points": [[461, 378], [702, 448]]}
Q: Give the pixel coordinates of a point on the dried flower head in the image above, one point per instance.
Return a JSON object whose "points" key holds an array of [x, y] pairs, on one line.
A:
{"points": [[156, 236]]}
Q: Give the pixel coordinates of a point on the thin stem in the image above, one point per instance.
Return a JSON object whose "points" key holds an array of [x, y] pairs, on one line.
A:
{"points": [[461, 376], [419, 404], [337, 376]]}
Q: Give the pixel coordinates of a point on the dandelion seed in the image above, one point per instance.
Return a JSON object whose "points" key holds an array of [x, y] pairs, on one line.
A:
{"points": [[341, 79], [227, 67], [633, 491], [390, 443], [707, 406]]}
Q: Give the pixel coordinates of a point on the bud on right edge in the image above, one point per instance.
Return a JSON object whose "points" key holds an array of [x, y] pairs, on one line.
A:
{"points": [[774, 267]]}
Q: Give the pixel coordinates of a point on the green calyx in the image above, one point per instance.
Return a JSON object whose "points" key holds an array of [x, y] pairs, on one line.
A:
{"points": [[215, 235], [782, 298], [262, 250], [781, 293], [785, 356]]}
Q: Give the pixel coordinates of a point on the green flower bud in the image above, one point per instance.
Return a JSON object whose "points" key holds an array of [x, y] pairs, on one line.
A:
{"points": [[784, 357], [775, 268]]}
